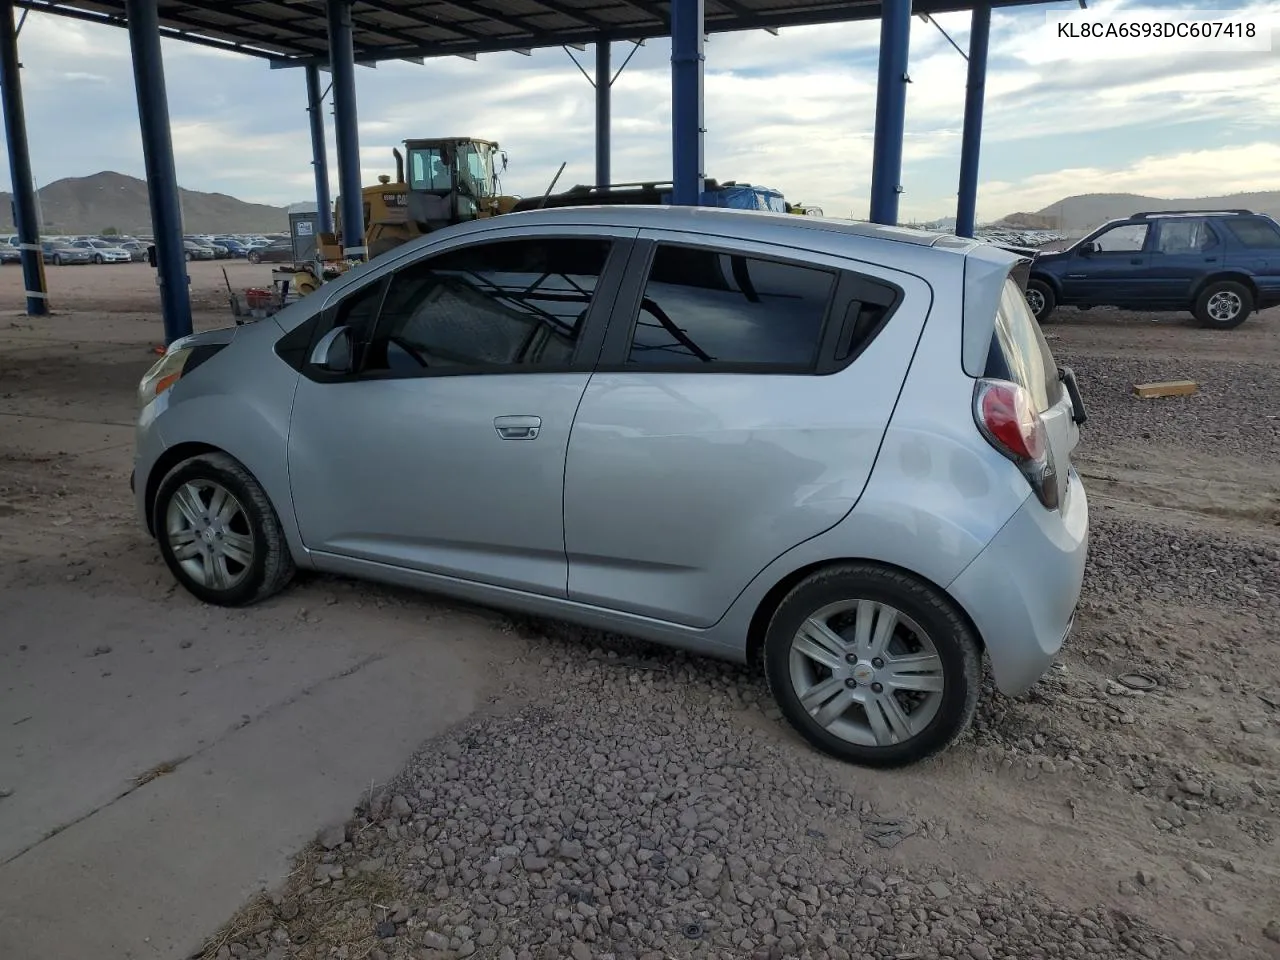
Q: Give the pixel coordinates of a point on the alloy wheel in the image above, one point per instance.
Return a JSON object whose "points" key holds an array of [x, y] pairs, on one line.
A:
{"points": [[1224, 306], [210, 534], [866, 673]]}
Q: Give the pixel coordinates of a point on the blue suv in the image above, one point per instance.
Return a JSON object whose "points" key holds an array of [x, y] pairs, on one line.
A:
{"points": [[1220, 265]]}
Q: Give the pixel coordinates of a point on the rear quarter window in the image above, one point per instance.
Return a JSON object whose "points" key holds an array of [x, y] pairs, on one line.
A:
{"points": [[1256, 234], [1019, 351]]}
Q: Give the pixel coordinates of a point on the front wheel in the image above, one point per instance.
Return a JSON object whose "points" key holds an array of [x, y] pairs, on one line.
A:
{"points": [[219, 534], [1223, 305], [99, 259], [1041, 299], [57, 260], [872, 666], [255, 257]]}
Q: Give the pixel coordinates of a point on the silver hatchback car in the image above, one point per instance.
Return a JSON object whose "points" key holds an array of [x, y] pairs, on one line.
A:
{"points": [[841, 448]]}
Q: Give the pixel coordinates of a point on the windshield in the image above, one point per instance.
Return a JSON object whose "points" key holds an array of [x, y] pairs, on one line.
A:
{"points": [[475, 167], [428, 170]]}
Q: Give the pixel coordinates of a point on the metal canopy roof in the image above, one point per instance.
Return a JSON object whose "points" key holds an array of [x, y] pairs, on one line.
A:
{"points": [[293, 32]]}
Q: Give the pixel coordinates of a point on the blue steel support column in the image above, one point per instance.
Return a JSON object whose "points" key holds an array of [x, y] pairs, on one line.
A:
{"points": [[686, 101], [24, 198], [319, 157], [342, 62], [891, 110], [604, 92], [162, 178], [971, 145]]}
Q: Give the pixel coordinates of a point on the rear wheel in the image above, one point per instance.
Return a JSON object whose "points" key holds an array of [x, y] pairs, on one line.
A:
{"points": [[255, 256], [1223, 304], [872, 666], [57, 259], [219, 534], [1041, 299]]}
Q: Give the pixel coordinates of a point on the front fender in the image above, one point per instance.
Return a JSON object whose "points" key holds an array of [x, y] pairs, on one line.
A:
{"points": [[240, 402]]}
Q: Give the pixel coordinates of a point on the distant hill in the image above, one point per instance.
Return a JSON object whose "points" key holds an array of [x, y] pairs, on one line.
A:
{"points": [[105, 200], [1082, 213]]}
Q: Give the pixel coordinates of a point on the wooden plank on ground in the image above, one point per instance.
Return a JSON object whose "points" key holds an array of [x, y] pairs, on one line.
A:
{"points": [[1165, 388]]}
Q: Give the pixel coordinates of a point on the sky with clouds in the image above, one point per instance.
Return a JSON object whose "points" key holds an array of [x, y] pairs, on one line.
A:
{"points": [[794, 111]]}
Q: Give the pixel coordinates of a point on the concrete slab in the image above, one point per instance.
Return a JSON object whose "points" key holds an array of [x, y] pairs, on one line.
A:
{"points": [[274, 731]]}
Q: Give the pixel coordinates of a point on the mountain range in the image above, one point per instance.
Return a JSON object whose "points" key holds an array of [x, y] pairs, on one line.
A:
{"points": [[110, 201]]}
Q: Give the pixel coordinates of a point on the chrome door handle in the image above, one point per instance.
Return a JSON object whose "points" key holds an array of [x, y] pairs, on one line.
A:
{"points": [[518, 428]]}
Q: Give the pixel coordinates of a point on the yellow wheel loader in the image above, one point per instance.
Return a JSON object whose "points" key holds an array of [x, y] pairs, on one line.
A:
{"points": [[439, 182]]}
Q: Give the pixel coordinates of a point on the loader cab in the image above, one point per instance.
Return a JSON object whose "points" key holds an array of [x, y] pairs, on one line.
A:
{"points": [[450, 181]]}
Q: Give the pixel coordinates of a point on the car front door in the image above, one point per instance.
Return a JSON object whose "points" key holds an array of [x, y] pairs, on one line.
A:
{"points": [[1111, 268], [734, 414], [1184, 250], [444, 451]]}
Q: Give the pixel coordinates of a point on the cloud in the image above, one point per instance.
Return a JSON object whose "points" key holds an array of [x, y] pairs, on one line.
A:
{"points": [[794, 111]]}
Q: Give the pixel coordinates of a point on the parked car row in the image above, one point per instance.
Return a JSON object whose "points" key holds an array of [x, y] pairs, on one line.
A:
{"points": [[126, 249], [1021, 238]]}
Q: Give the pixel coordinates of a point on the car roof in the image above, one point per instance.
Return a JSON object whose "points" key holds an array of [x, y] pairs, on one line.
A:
{"points": [[726, 222]]}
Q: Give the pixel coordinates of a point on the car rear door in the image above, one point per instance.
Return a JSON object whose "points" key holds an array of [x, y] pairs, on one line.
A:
{"points": [[741, 398], [1183, 251]]}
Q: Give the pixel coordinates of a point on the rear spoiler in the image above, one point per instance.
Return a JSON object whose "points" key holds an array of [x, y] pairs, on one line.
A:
{"points": [[1021, 272]]}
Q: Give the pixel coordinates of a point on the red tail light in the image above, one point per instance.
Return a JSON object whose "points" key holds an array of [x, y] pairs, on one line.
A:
{"points": [[1007, 417]]}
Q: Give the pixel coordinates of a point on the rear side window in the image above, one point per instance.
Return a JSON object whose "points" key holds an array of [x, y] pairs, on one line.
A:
{"points": [[1257, 233], [1020, 353], [703, 306]]}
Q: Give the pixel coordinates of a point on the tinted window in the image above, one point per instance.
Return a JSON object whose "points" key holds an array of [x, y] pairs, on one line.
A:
{"points": [[510, 303], [1185, 236], [1122, 239], [704, 306], [1255, 233]]}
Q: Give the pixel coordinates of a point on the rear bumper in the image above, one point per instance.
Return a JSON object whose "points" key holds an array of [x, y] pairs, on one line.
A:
{"points": [[1021, 591]]}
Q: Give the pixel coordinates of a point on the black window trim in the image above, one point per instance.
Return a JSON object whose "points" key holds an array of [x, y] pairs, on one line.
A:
{"points": [[586, 350], [847, 281]]}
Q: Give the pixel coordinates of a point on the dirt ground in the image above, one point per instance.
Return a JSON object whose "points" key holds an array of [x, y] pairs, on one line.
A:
{"points": [[1134, 794]]}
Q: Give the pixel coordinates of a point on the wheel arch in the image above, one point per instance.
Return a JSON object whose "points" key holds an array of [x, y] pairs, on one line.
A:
{"points": [[169, 459], [1232, 276], [774, 596], [1046, 278]]}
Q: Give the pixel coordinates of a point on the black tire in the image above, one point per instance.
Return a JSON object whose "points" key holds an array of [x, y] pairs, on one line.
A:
{"points": [[187, 256], [255, 256], [57, 259], [1041, 299], [271, 564], [99, 259], [1213, 305], [953, 640]]}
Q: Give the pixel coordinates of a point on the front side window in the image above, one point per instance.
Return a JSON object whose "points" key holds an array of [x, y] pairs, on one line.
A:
{"points": [[1185, 236], [1127, 238], [704, 306], [492, 306]]}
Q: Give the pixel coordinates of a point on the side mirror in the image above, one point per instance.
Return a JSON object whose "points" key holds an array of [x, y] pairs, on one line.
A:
{"points": [[334, 353], [1089, 249]]}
